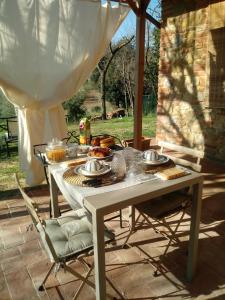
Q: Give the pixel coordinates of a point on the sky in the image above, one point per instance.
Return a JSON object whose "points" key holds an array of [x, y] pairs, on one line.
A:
{"points": [[128, 26]]}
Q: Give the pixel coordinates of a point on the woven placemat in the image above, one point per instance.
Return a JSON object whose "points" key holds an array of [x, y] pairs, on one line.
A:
{"points": [[154, 169], [71, 177]]}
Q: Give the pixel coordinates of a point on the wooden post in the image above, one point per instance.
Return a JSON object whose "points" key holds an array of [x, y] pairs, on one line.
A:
{"points": [[139, 75]]}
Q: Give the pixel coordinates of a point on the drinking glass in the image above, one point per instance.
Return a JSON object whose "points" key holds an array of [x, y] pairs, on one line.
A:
{"points": [[129, 155], [118, 165]]}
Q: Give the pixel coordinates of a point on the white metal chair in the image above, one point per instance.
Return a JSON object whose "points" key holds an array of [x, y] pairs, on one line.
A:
{"points": [[66, 238], [11, 136], [158, 211]]}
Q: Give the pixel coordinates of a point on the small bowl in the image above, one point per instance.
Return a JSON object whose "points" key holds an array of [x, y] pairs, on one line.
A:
{"points": [[83, 149]]}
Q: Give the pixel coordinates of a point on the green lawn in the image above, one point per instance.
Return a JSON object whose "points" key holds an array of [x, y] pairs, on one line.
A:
{"points": [[123, 128]]}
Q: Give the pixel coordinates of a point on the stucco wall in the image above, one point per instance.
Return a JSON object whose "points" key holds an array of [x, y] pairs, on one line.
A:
{"points": [[191, 105]]}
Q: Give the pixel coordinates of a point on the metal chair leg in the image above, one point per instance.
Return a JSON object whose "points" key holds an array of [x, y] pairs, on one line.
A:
{"points": [[83, 283], [41, 287], [121, 218], [50, 208], [7, 149]]}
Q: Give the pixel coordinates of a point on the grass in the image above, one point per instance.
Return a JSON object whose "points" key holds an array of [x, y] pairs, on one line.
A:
{"points": [[123, 128]]}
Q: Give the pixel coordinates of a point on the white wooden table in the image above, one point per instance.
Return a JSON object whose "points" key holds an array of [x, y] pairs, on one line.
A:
{"points": [[108, 202]]}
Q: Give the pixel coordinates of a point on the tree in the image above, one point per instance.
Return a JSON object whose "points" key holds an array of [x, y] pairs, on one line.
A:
{"points": [[103, 67], [120, 78], [6, 108], [75, 107], [152, 55], [151, 64]]}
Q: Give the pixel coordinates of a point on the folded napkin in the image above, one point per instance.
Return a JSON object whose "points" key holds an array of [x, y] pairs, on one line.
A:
{"points": [[171, 173]]}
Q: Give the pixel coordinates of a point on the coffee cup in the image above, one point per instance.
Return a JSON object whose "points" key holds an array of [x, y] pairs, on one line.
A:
{"points": [[151, 155], [93, 166]]}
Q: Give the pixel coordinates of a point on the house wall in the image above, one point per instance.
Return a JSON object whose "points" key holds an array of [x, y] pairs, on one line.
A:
{"points": [[191, 103]]}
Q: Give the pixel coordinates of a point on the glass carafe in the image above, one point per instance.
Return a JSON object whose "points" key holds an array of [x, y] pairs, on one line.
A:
{"points": [[56, 150]]}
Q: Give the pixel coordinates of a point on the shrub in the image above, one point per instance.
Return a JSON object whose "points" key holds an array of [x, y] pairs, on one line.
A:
{"points": [[75, 107]]}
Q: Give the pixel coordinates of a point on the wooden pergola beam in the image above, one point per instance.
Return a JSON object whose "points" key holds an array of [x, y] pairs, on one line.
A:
{"points": [[152, 20], [139, 74]]}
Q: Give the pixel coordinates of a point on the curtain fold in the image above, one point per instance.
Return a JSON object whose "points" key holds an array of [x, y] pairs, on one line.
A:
{"points": [[47, 51]]}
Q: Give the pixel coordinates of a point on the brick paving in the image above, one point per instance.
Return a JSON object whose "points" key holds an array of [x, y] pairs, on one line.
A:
{"points": [[23, 261]]}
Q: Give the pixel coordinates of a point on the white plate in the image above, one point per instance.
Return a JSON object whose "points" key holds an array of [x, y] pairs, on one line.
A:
{"points": [[162, 160], [80, 170]]}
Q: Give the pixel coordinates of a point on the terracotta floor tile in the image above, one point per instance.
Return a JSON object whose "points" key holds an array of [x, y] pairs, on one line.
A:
{"points": [[4, 292], [13, 264], [13, 240], [30, 235], [3, 205], [4, 214], [68, 290], [37, 272], [29, 247], [21, 286], [8, 254], [36, 256]]}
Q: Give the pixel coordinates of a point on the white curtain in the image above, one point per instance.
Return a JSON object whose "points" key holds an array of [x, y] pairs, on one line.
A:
{"points": [[48, 48]]}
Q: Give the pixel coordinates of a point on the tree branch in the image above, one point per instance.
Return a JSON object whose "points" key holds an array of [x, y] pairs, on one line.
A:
{"points": [[99, 68]]}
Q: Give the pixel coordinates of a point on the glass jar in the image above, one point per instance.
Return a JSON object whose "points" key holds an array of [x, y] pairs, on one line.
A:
{"points": [[118, 165], [56, 150]]}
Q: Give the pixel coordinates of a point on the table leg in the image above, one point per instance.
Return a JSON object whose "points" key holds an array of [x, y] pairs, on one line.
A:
{"points": [[194, 230], [99, 256], [54, 196], [132, 216]]}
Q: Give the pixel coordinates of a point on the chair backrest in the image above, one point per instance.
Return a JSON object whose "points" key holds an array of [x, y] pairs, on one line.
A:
{"points": [[193, 153], [32, 208], [12, 128]]}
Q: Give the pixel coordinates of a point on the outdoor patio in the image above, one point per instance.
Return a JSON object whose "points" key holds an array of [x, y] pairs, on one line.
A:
{"points": [[24, 262]]}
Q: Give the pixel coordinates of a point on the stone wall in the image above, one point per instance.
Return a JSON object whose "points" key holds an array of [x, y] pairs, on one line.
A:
{"points": [[191, 105]]}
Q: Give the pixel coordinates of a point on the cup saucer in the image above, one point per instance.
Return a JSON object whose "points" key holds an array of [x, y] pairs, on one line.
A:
{"points": [[161, 160], [80, 170]]}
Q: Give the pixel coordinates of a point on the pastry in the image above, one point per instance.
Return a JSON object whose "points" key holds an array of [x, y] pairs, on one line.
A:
{"points": [[99, 152], [107, 142], [95, 141]]}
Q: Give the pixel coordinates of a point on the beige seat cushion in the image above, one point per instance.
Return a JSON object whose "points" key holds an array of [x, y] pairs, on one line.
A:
{"points": [[70, 234], [165, 205]]}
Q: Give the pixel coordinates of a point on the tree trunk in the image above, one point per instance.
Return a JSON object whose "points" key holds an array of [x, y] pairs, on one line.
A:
{"points": [[103, 97], [125, 92], [103, 71], [131, 96]]}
